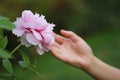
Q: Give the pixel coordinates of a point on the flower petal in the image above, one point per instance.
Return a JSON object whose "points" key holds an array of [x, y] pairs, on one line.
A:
{"points": [[46, 48], [31, 39], [40, 51], [40, 46], [26, 15], [18, 32], [37, 35], [48, 38], [24, 41]]}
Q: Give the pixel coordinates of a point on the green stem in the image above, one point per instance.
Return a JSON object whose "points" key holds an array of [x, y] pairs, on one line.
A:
{"points": [[15, 49], [42, 77]]}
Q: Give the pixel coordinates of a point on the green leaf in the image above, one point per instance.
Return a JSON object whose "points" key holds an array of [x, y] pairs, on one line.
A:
{"points": [[1, 33], [8, 65], [6, 24], [3, 18], [5, 75], [4, 54], [1, 37], [22, 64], [25, 59], [3, 42]]}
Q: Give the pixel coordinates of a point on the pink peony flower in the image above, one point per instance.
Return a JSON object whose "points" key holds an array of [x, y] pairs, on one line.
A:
{"points": [[34, 30]]}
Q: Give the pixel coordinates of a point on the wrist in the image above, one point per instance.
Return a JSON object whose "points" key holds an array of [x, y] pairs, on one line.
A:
{"points": [[97, 69], [94, 66]]}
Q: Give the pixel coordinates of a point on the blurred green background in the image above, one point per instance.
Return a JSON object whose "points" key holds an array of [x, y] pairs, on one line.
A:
{"points": [[97, 21]]}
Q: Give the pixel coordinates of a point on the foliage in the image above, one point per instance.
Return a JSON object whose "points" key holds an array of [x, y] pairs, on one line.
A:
{"points": [[6, 56], [5, 23]]}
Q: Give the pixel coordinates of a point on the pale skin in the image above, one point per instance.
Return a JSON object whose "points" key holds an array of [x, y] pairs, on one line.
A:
{"points": [[73, 50]]}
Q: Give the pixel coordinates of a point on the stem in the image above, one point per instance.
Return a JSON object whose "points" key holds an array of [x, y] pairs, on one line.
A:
{"points": [[15, 49], [38, 73]]}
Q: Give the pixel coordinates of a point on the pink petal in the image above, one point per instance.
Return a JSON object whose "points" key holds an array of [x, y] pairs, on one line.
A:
{"points": [[48, 38], [40, 51], [27, 15], [31, 39], [46, 48], [37, 35], [40, 46], [17, 31], [24, 41], [50, 26], [18, 23]]}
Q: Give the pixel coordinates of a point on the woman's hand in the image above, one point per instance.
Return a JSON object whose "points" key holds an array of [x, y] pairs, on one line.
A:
{"points": [[72, 49]]}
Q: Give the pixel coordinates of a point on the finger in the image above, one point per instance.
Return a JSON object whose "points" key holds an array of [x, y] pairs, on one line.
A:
{"points": [[58, 38], [55, 52], [55, 44], [71, 35]]}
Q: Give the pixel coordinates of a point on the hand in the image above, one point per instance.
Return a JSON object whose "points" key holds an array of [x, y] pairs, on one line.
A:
{"points": [[72, 49]]}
